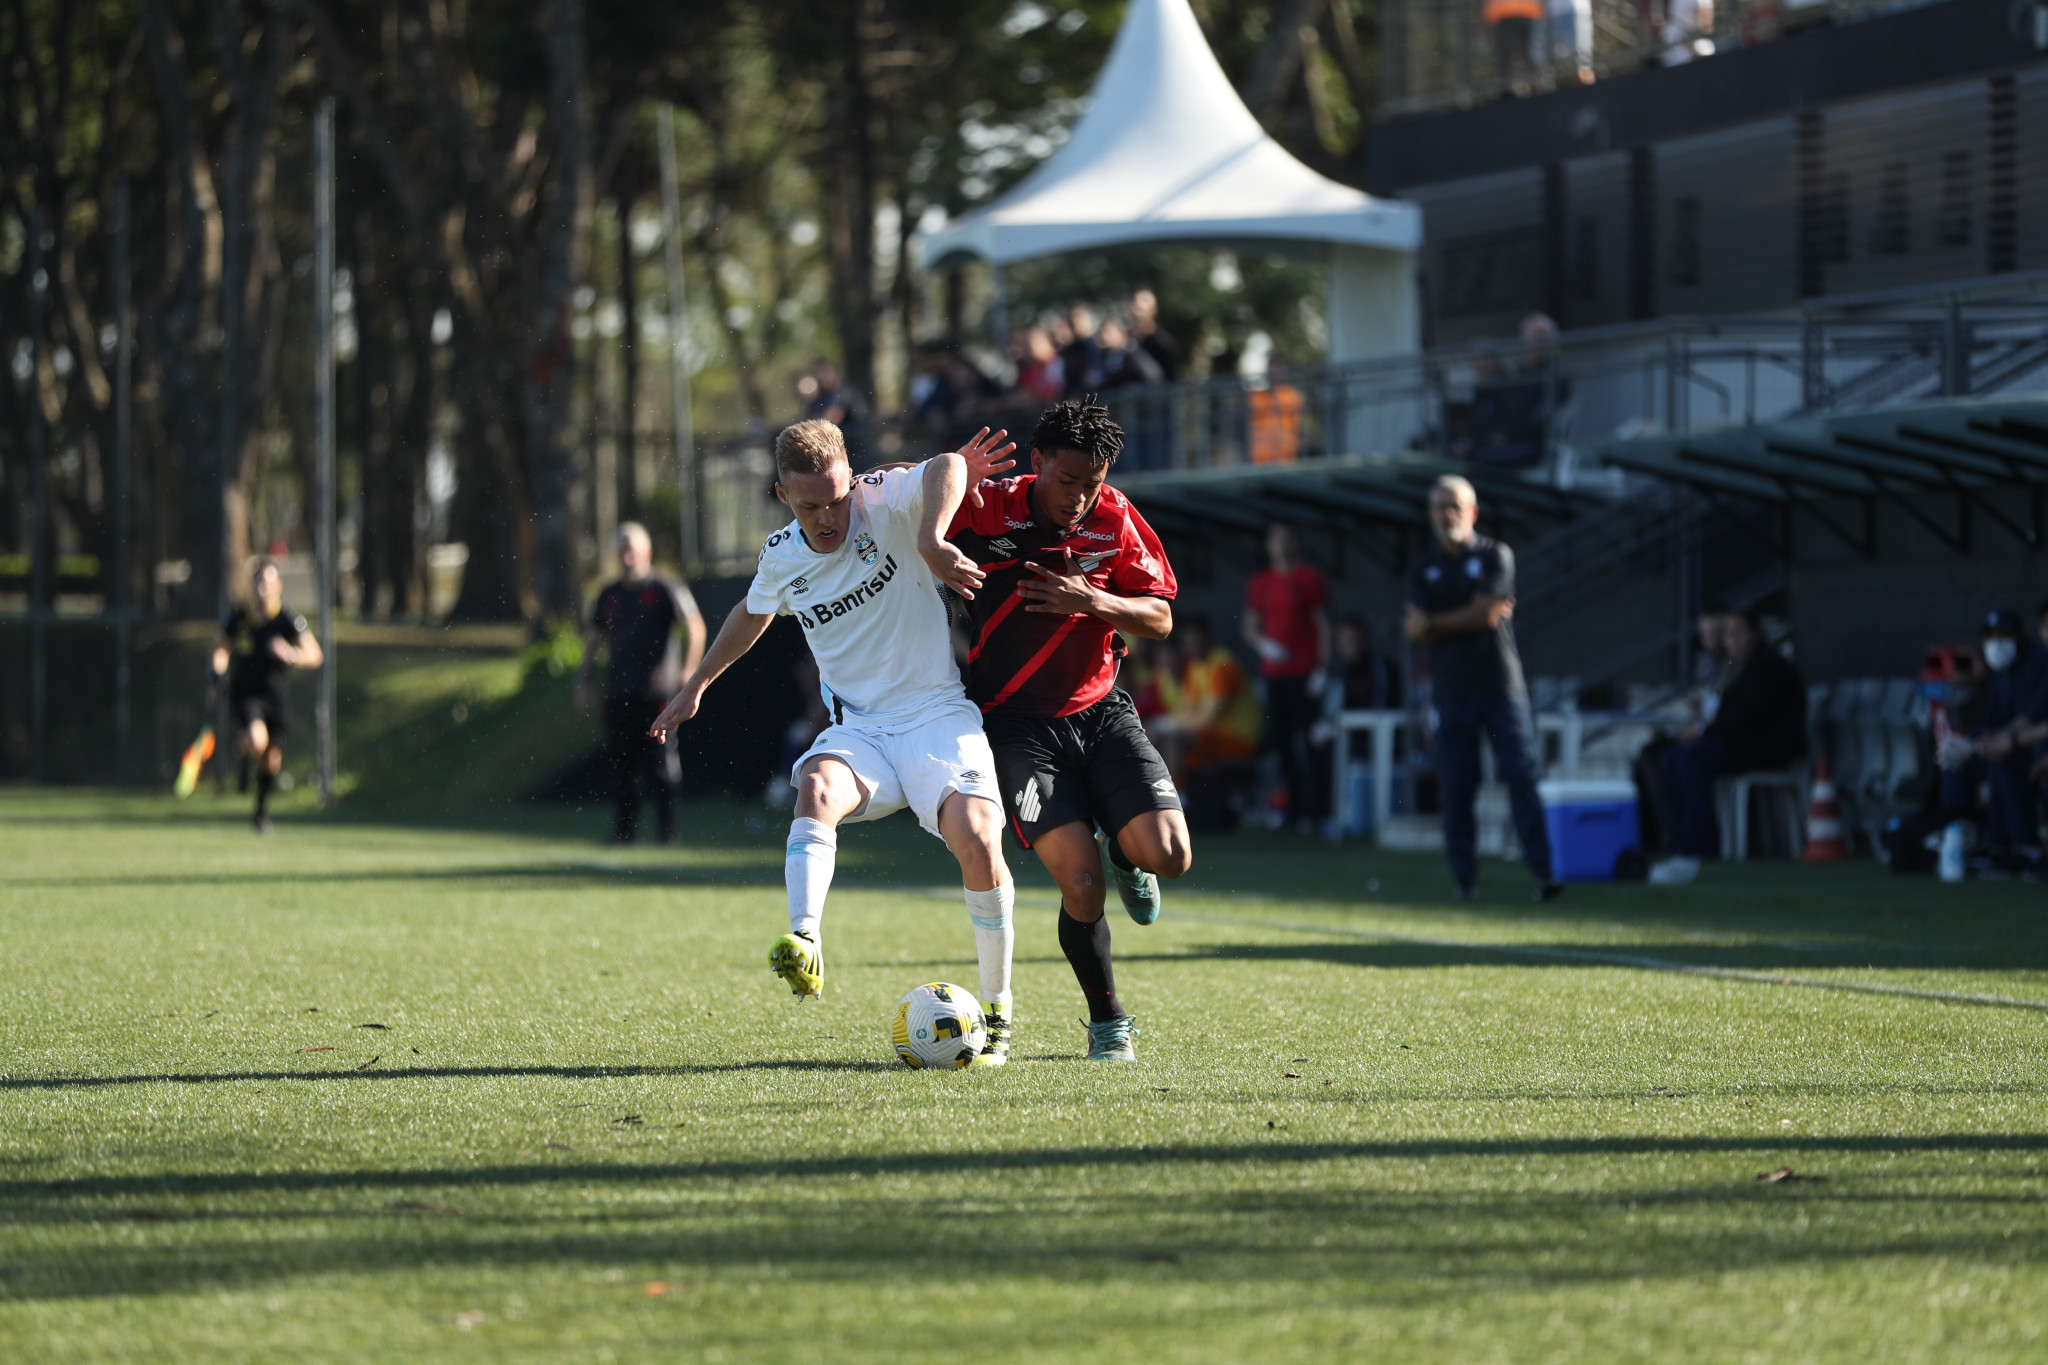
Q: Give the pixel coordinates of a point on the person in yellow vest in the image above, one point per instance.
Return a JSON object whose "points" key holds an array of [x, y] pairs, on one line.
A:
{"points": [[1273, 421], [1216, 714], [1514, 24]]}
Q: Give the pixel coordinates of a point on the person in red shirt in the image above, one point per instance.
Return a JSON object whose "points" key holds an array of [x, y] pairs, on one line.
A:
{"points": [[1287, 620], [1067, 563]]}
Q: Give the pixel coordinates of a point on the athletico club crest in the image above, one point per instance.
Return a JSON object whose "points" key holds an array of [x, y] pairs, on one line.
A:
{"points": [[864, 546]]}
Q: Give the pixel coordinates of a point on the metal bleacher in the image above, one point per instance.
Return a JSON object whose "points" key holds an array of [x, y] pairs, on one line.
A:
{"points": [[1874, 734]]}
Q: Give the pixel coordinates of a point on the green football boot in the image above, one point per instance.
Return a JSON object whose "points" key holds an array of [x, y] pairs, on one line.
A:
{"points": [[1140, 890], [1110, 1040]]}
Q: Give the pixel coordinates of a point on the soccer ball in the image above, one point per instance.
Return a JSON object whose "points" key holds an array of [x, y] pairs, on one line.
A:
{"points": [[939, 1027]]}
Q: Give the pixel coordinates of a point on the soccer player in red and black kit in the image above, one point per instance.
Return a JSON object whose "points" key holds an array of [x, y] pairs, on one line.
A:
{"points": [[1069, 563]]}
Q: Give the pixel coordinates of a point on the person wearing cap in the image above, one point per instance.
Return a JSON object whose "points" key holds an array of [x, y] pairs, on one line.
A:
{"points": [[2004, 735]]}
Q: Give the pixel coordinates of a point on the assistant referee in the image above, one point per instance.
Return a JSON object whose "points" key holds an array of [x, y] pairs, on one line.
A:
{"points": [[1461, 597]]}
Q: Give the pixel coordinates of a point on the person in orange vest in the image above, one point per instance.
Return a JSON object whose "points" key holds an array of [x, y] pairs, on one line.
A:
{"points": [[1514, 24], [1273, 421]]}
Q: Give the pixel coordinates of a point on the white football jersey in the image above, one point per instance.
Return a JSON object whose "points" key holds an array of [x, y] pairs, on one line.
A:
{"points": [[871, 610]]}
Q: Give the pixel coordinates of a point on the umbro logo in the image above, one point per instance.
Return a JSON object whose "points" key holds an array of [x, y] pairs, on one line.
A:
{"points": [[969, 775], [1003, 543], [1164, 784], [1027, 803], [799, 586]]}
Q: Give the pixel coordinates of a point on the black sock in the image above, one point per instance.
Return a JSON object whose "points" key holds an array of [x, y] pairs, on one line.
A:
{"points": [[265, 780], [1087, 947], [1117, 854]]}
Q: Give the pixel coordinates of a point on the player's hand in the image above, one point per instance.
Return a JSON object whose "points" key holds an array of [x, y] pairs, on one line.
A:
{"points": [[986, 457], [288, 653], [951, 566], [1063, 593], [1415, 623], [680, 708]]}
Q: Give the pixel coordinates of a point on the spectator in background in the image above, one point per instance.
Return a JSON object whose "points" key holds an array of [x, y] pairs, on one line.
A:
{"points": [[1124, 362], [1512, 409], [933, 397], [1082, 355], [1514, 25], [634, 622], [1659, 814], [1154, 342], [1041, 375], [1760, 725], [2006, 730], [1461, 597], [1215, 718], [1361, 679], [1287, 621], [1273, 412], [832, 399]]}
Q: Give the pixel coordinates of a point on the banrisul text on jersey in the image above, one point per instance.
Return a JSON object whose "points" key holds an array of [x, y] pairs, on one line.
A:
{"points": [[817, 614]]}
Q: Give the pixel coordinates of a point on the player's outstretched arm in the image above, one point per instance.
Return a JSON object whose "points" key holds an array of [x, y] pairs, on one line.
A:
{"points": [[742, 629]]}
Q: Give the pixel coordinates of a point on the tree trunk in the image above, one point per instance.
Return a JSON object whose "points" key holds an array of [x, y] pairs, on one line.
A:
{"points": [[626, 438], [852, 180], [549, 467]]}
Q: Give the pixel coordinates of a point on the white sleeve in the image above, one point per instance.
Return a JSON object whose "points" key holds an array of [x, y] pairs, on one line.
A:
{"points": [[899, 492], [764, 594]]}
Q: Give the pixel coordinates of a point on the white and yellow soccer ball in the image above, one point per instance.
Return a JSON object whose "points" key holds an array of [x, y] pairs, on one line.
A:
{"points": [[939, 1027]]}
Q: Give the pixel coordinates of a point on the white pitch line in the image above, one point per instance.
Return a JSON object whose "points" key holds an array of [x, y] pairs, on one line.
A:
{"points": [[1648, 964]]}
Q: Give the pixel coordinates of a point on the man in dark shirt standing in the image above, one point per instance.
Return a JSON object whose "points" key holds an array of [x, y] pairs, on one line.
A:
{"points": [[1461, 594], [259, 647], [635, 620]]}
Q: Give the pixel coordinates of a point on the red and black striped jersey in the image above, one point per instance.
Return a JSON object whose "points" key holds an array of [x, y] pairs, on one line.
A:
{"points": [[1035, 662]]}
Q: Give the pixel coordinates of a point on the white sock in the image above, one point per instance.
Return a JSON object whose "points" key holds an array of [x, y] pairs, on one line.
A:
{"points": [[995, 938], [807, 871]]}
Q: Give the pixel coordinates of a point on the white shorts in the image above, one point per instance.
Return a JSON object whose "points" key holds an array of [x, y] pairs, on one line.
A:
{"points": [[918, 767]]}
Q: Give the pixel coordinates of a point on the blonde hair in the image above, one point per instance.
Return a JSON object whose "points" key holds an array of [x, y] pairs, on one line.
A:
{"points": [[809, 447], [633, 531]]}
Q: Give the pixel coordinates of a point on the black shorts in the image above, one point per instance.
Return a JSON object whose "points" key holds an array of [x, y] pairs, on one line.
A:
{"points": [[267, 707], [1096, 766]]}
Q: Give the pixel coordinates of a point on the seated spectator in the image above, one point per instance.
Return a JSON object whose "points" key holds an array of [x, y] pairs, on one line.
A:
{"points": [[1148, 678], [1215, 719], [1760, 725], [1361, 679], [1680, 723], [2010, 723], [933, 398]]}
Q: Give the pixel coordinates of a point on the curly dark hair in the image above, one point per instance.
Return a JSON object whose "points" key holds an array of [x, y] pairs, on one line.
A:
{"points": [[1082, 425]]}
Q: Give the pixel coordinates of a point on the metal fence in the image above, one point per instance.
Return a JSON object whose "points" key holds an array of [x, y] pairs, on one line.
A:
{"points": [[1544, 407], [1442, 54]]}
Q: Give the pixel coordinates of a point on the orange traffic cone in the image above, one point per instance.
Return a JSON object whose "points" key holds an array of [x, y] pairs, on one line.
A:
{"points": [[1824, 842]]}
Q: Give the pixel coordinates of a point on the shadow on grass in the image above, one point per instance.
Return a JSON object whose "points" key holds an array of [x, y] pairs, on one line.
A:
{"points": [[1279, 1151], [763, 870], [426, 1073], [1763, 957]]}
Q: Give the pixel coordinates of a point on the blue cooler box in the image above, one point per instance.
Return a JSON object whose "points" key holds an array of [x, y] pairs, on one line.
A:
{"points": [[1591, 822]]}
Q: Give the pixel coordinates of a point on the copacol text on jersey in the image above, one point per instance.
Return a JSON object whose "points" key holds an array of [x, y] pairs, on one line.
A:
{"points": [[822, 612]]}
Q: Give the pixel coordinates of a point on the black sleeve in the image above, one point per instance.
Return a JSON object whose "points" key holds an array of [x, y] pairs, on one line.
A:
{"points": [[292, 628], [1415, 582], [232, 622], [601, 611], [1499, 579]]}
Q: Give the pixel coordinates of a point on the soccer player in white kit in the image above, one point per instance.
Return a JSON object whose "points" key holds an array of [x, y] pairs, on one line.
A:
{"points": [[860, 569]]}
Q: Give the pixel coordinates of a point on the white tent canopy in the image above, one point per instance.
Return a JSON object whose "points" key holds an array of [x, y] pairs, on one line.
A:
{"points": [[1167, 152]]}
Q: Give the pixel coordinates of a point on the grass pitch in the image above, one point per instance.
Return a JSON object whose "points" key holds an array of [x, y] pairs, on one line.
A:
{"points": [[396, 1093]]}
